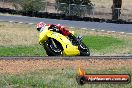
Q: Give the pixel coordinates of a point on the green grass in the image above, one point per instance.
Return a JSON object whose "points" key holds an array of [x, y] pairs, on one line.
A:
{"points": [[101, 42], [57, 78], [22, 40], [33, 50], [95, 43]]}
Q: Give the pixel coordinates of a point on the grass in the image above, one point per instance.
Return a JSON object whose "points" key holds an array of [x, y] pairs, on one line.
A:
{"points": [[17, 34], [33, 50], [22, 40], [57, 78], [101, 42], [95, 43]]}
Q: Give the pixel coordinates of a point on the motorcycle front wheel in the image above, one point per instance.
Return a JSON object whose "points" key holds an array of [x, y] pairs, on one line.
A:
{"points": [[53, 49], [84, 50]]}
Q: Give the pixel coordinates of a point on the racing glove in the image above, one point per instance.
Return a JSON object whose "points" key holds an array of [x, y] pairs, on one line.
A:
{"points": [[54, 28]]}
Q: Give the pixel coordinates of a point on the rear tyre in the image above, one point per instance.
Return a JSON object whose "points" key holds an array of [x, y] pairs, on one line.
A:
{"points": [[84, 50], [51, 50]]}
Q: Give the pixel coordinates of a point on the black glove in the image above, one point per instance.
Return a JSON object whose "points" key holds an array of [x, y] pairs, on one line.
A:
{"points": [[54, 28]]}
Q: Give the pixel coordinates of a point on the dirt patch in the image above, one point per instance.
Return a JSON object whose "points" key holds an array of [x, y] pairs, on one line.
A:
{"points": [[6, 5], [20, 66]]}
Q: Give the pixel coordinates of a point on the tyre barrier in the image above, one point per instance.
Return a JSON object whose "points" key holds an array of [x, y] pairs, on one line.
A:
{"points": [[7, 10], [60, 16]]}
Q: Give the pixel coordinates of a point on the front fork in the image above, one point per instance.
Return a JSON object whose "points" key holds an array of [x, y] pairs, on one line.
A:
{"points": [[54, 45]]}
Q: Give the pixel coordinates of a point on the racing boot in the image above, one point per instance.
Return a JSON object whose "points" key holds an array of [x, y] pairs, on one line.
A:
{"points": [[79, 38], [75, 40]]}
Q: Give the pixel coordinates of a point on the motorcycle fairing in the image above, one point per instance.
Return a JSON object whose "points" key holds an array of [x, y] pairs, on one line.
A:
{"points": [[68, 48], [43, 36]]}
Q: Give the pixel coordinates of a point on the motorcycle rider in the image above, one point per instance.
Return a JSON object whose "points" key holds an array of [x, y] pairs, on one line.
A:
{"points": [[60, 29]]}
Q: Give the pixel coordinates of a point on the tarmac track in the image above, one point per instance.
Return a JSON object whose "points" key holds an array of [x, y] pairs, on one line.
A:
{"points": [[110, 27], [68, 58]]}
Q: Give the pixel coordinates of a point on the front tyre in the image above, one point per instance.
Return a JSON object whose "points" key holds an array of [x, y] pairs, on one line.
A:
{"points": [[51, 50], [84, 50]]}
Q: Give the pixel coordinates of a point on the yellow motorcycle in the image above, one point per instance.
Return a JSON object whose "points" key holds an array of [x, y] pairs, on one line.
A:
{"points": [[56, 44]]}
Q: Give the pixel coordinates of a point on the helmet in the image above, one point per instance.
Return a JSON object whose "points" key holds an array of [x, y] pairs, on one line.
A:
{"points": [[40, 25]]}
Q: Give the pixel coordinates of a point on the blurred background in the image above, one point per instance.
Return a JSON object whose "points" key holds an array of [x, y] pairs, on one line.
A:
{"points": [[102, 9]]}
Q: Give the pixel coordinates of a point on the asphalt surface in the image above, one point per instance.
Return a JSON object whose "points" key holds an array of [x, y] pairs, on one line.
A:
{"points": [[68, 58], [127, 28]]}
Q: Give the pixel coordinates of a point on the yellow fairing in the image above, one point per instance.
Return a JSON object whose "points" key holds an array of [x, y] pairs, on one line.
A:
{"points": [[69, 49], [43, 35]]}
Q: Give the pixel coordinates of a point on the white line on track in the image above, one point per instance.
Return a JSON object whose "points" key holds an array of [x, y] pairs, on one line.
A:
{"points": [[31, 23], [113, 31], [122, 32], [84, 28], [20, 22], [109, 31], [102, 30], [93, 29], [74, 27], [11, 21], [129, 33]]}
